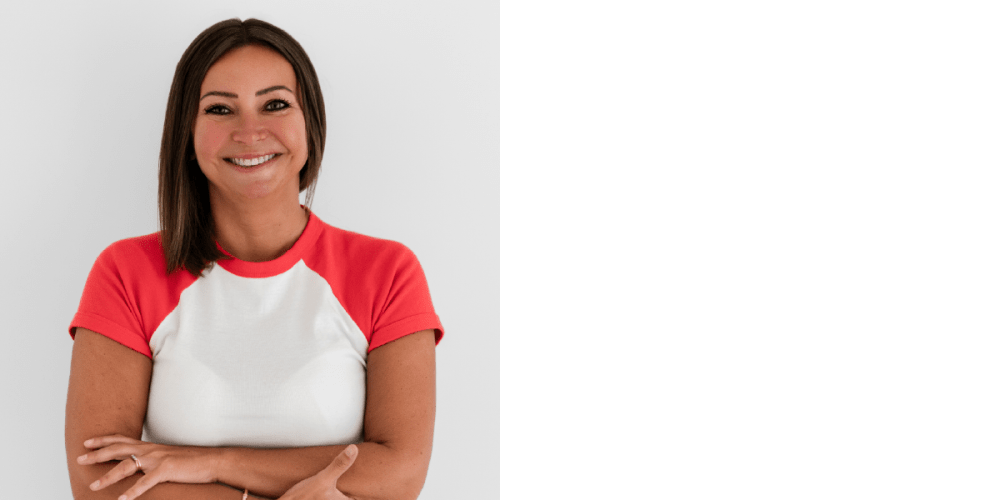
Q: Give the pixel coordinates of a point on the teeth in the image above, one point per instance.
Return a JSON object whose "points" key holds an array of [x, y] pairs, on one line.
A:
{"points": [[251, 162]]}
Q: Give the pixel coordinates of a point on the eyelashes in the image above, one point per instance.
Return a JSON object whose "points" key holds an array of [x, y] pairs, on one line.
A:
{"points": [[271, 106], [217, 109], [276, 105]]}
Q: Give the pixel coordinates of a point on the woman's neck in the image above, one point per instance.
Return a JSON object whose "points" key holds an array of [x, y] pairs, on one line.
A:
{"points": [[258, 230]]}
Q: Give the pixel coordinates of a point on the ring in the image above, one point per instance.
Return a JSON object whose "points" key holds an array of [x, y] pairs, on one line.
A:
{"points": [[137, 464]]}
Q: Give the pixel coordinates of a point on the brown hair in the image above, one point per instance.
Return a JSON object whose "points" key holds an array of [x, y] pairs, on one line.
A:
{"points": [[187, 230]]}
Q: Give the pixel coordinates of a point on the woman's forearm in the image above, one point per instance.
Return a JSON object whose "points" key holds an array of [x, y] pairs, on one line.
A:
{"points": [[379, 472], [162, 491]]}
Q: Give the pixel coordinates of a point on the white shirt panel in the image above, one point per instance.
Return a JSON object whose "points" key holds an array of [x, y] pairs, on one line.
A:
{"points": [[259, 362]]}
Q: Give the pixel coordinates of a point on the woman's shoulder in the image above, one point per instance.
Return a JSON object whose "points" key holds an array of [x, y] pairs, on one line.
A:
{"points": [[342, 255], [378, 281], [147, 243], [357, 246], [138, 254]]}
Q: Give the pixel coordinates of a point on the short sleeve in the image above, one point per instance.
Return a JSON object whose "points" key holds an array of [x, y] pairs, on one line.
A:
{"points": [[406, 307], [108, 305]]}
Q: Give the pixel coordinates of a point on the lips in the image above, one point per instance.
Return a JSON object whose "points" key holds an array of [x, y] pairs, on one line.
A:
{"points": [[251, 162]]}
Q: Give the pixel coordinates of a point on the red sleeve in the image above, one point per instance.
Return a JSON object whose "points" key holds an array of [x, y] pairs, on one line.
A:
{"points": [[128, 293], [406, 307], [379, 283], [108, 306]]}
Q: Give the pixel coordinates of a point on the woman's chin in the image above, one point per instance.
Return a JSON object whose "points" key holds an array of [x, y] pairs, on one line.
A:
{"points": [[258, 190]]}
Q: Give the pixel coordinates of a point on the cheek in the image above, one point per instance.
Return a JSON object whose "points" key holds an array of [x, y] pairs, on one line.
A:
{"points": [[208, 138], [293, 133]]}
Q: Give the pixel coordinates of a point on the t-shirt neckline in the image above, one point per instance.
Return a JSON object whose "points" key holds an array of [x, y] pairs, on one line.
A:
{"points": [[277, 266]]}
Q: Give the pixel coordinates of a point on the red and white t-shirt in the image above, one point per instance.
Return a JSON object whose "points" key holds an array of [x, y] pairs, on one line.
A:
{"points": [[262, 354]]}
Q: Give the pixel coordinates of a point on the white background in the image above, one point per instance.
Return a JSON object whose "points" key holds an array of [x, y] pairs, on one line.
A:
{"points": [[412, 93]]}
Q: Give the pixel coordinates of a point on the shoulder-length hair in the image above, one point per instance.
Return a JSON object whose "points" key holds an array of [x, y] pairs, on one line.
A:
{"points": [[187, 229]]}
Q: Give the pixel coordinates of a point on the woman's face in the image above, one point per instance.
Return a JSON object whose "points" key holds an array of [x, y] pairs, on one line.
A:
{"points": [[250, 133]]}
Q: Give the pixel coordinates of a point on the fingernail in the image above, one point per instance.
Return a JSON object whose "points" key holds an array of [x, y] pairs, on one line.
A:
{"points": [[81, 458], [88, 442], [95, 484], [123, 497], [352, 450]]}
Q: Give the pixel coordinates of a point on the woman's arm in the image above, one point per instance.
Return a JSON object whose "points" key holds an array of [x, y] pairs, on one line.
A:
{"points": [[391, 463], [108, 388]]}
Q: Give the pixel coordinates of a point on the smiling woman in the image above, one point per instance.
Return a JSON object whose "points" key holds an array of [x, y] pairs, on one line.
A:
{"points": [[206, 71], [248, 348]]}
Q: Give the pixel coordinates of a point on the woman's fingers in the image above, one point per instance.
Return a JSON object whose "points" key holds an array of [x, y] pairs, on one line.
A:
{"points": [[124, 469], [160, 463], [108, 453], [324, 484], [113, 447], [102, 441], [144, 483], [341, 463]]}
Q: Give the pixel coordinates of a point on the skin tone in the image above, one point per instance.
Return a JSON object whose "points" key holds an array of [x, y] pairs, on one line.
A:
{"points": [[248, 112]]}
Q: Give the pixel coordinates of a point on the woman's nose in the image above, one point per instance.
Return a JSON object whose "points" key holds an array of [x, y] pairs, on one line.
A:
{"points": [[249, 130]]}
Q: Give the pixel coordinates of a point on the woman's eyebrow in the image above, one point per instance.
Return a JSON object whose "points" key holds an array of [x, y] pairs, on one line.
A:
{"points": [[234, 96], [272, 89], [216, 92]]}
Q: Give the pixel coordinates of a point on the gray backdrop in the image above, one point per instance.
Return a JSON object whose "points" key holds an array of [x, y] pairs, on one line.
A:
{"points": [[413, 154]]}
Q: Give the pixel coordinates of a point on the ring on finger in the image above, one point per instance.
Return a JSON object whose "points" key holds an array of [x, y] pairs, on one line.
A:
{"points": [[138, 466]]}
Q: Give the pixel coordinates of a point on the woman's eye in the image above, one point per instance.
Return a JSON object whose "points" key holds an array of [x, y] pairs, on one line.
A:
{"points": [[276, 105], [217, 110]]}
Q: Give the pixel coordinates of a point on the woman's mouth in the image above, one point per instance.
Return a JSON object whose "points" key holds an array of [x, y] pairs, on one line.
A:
{"points": [[251, 162]]}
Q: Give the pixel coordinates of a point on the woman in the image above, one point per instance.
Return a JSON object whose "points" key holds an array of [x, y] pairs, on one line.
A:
{"points": [[241, 350]]}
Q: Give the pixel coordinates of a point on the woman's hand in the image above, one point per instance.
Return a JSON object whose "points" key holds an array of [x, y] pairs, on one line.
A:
{"points": [[160, 463], [323, 486]]}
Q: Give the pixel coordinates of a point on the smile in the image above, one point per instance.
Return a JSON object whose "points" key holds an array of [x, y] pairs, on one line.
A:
{"points": [[250, 162]]}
